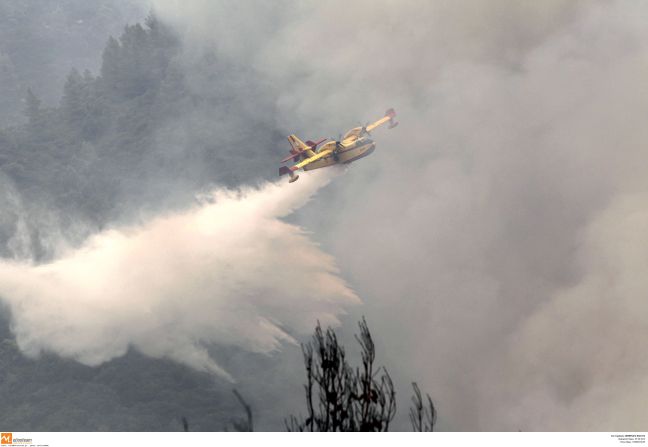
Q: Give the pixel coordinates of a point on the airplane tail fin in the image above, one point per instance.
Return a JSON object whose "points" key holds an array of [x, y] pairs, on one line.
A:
{"points": [[391, 114]]}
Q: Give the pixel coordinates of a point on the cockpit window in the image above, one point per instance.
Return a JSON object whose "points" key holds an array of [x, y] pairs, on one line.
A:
{"points": [[353, 132]]}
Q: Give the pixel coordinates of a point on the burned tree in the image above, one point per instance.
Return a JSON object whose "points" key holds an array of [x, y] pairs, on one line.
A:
{"points": [[422, 415], [243, 424], [339, 397]]}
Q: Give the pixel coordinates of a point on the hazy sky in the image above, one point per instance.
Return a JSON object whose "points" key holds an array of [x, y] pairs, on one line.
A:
{"points": [[496, 237]]}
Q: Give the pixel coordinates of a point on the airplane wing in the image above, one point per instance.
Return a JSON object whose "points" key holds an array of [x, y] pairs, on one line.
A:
{"points": [[291, 170], [389, 117], [321, 154]]}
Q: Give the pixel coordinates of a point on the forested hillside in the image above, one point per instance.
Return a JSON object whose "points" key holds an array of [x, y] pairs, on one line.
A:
{"points": [[154, 127], [129, 393], [41, 39], [149, 131]]}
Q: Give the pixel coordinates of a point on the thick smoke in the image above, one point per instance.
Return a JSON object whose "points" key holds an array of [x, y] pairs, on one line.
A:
{"points": [[227, 272], [497, 235]]}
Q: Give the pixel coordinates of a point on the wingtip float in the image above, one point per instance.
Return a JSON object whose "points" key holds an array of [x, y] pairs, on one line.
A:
{"points": [[355, 144]]}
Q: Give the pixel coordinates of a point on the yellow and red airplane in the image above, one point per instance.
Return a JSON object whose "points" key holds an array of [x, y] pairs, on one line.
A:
{"points": [[354, 145]]}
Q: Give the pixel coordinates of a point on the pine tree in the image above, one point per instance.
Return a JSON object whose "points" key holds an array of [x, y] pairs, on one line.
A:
{"points": [[72, 103], [111, 66], [33, 110], [339, 397]]}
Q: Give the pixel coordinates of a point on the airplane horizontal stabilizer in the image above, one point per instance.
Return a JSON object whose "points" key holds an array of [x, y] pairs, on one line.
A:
{"points": [[391, 114]]}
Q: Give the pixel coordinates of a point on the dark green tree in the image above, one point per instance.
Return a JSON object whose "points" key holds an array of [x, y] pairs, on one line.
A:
{"points": [[111, 65], [73, 101], [33, 110]]}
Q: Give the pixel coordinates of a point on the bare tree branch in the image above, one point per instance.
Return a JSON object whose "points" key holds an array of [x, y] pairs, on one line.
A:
{"points": [[338, 397], [423, 417], [243, 424]]}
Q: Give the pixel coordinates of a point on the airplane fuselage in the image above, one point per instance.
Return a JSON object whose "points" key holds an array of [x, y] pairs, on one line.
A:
{"points": [[355, 144], [346, 152]]}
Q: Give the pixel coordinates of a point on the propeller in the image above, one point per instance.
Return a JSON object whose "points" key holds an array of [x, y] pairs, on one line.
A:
{"points": [[337, 140], [365, 131], [338, 146]]}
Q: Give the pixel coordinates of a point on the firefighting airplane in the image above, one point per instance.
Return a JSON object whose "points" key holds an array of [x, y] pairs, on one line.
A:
{"points": [[354, 145]]}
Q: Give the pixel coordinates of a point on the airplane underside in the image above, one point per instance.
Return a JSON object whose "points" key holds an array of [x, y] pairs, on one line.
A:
{"points": [[343, 157], [355, 144]]}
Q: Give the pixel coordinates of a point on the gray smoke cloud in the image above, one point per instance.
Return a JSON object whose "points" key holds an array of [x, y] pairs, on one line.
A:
{"points": [[497, 236], [229, 272]]}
